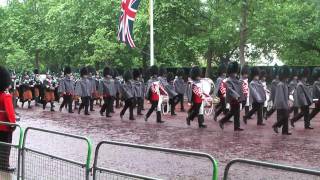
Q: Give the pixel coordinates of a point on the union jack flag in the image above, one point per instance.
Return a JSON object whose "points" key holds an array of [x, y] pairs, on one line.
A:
{"points": [[128, 14]]}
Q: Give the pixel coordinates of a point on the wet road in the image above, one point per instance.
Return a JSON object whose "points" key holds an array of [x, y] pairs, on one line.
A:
{"points": [[259, 143]]}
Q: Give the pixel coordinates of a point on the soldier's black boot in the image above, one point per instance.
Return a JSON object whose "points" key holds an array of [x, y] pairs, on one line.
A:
{"points": [[159, 117]]}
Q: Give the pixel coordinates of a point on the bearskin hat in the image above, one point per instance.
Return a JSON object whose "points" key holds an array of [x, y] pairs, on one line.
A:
{"points": [[305, 72], [127, 75], [284, 72], [294, 72], [36, 71], [83, 71], [5, 79], [162, 71], [222, 69], [67, 70], [195, 72], [275, 71], [316, 72], [245, 69], [107, 71], [154, 71], [136, 73], [91, 70], [263, 73], [180, 72], [170, 77], [254, 71], [114, 72], [233, 68]]}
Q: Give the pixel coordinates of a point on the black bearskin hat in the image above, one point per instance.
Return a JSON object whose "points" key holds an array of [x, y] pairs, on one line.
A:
{"points": [[195, 72], [294, 72], [36, 71], [284, 72], [5, 79], [245, 69], [170, 77], [255, 71], [154, 71], [91, 70], [107, 71], [275, 71], [180, 72], [162, 71], [136, 73], [67, 70], [222, 69], [127, 75], [263, 73], [114, 72], [316, 72], [83, 71], [233, 68], [305, 72]]}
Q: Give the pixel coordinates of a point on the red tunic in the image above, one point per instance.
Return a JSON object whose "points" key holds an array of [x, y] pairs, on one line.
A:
{"points": [[7, 113], [156, 88], [196, 94]]}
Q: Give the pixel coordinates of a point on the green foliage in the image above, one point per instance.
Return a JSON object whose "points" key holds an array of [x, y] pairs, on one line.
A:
{"points": [[55, 33]]}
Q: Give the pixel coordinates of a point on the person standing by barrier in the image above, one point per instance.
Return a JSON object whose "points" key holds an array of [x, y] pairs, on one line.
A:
{"points": [[83, 88], [7, 115], [66, 88], [281, 102]]}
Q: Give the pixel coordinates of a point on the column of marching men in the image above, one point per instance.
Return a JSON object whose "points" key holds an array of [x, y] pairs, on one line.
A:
{"points": [[237, 89]]}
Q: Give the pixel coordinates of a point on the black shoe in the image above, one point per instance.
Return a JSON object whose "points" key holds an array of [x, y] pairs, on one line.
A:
{"points": [[101, 113], [173, 114], [310, 128], [140, 114], [8, 169], [52, 110], [132, 119], [245, 120], [221, 125], [87, 114], [275, 129], [238, 129], [261, 124], [121, 116], [188, 121], [108, 116], [160, 121], [286, 133], [202, 126], [145, 118], [71, 112], [292, 122]]}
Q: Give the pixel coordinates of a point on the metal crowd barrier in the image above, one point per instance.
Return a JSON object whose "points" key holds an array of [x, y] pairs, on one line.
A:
{"points": [[40, 165], [269, 165], [13, 152], [97, 171]]}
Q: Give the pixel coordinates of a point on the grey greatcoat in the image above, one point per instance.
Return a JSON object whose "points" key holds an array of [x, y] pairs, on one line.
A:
{"points": [[107, 87], [281, 98], [218, 84], [316, 90], [93, 84], [234, 90], [66, 85], [83, 87], [127, 91], [302, 95], [138, 89], [170, 90], [179, 85], [257, 92], [292, 86], [274, 84]]}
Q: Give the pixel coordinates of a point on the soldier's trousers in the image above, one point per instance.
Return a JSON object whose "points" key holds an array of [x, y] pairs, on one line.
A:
{"points": [[129, 103], [316, 110], [5, 150], [282, 120], [303, 113], [181, 100], [256, 107], [235, 113], [154, 106], [295, 110], [91, 103], [220, 107], [85, 104], [139, 103], [117, 100], [195, 111], [67, 100], [107, 105]]}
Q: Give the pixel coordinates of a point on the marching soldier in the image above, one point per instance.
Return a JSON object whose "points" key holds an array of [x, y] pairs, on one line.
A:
{"points": [[37, 87], [107, 89], [263, 80], [292, 87], [245, 88], [220, 91], [139, 90], [257, 97], [127, 93], [49, 88], [234, 96], [172, 100], [180, 87], [303, 100], [93, 87], [195, 97], [66, 89], [83, 90], [26, 88], [281, 102], [155, 92], [274, 84], [316, 92], [7, 115]]}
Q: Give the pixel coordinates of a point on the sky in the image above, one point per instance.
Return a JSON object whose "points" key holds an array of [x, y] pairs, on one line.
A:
{"points": [[3, 2]]}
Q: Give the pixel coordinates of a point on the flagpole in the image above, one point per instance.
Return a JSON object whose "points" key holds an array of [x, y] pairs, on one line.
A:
{"points": [[151, 34]]}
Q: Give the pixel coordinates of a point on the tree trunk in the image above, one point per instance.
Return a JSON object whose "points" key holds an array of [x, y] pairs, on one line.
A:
{"points": [[243, 30], [209, 63], [37, 60]]}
